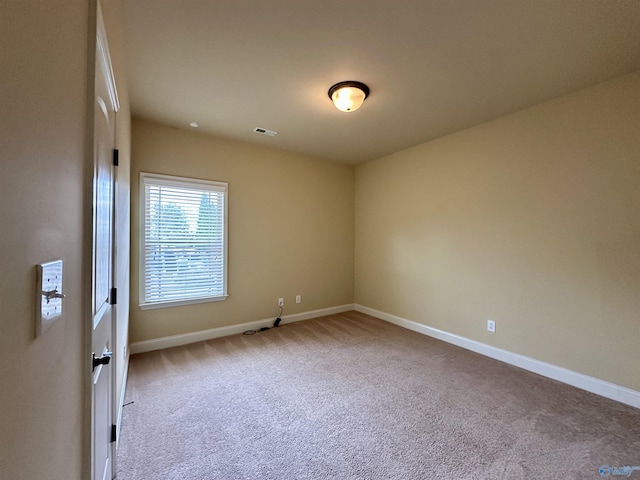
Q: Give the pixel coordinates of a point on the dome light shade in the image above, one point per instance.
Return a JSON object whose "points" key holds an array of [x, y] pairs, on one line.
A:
{"points": [[348, 96]]}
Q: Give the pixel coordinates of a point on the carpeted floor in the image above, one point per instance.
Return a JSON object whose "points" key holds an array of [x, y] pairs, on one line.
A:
{"points": [[349, 396]]}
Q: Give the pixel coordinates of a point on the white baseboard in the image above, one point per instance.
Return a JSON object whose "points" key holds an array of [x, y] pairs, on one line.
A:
{"points": [[575, 379], [192, 337]]}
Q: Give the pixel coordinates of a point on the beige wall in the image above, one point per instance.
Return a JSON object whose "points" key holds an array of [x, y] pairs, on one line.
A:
{"points": [[532, 220], [43, 82], [290, 228]]}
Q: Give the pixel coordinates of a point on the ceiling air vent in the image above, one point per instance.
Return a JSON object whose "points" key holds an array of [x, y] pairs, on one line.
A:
{"points": [[264, 131]]}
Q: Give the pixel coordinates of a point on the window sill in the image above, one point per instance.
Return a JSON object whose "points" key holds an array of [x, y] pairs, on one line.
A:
{"points": [[177, 303]]}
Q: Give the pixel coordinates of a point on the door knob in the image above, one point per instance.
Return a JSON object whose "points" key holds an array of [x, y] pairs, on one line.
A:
{"points": [[103, 360]]}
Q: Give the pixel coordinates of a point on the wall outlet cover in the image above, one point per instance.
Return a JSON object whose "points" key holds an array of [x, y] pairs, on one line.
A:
{"points": [[491, 326]]}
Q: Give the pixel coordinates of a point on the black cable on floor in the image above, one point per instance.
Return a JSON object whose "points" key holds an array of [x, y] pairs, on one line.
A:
{"points": [[276, 323]]}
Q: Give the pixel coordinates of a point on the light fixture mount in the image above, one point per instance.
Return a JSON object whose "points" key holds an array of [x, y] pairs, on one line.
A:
{"points": [[348, 96]]}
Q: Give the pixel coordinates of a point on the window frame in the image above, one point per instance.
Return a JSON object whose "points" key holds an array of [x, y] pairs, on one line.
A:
{"points": [[185, 182]]}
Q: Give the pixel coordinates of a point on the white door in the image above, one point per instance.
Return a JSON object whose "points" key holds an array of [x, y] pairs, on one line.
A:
{"points": [[105, 107]]}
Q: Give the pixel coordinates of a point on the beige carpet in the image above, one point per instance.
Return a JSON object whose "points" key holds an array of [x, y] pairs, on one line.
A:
{"points": [[352, 397]]}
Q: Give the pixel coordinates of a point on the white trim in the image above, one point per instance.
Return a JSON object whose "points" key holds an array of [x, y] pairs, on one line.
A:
{"points": [[575, 379], [103, 46], [175, 303], [125, 377], [187, 183], [192, 337]]}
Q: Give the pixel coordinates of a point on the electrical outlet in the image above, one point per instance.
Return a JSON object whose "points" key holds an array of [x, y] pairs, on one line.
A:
{"points": [[281, 302], [298, 298], [491, 326]]}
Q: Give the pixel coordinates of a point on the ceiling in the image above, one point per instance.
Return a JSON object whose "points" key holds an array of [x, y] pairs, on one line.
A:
{"points": [[433, 66]]}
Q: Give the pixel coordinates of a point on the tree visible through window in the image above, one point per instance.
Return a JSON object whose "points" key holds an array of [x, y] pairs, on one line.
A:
{"points": [[183, 249]]}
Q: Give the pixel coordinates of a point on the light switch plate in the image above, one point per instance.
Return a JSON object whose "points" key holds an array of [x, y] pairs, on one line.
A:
{"points": [[48, 295]]}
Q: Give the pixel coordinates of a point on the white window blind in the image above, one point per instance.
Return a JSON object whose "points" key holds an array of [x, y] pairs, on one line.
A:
{"points": [[183, 249]]}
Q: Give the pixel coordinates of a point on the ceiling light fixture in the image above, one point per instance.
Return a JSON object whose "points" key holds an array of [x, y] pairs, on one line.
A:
{"points": [[348, 96], [194, 125]]}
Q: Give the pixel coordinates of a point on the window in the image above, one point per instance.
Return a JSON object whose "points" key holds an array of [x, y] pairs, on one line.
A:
{"points": [[183, 245]]}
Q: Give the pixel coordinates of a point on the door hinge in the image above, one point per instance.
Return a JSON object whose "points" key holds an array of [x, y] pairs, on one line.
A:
{"points": [[114, 432], [113, 296], [116, 157]]}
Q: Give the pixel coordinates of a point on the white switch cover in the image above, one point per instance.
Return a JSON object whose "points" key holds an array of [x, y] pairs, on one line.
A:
{"points": [[48, 295]]}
